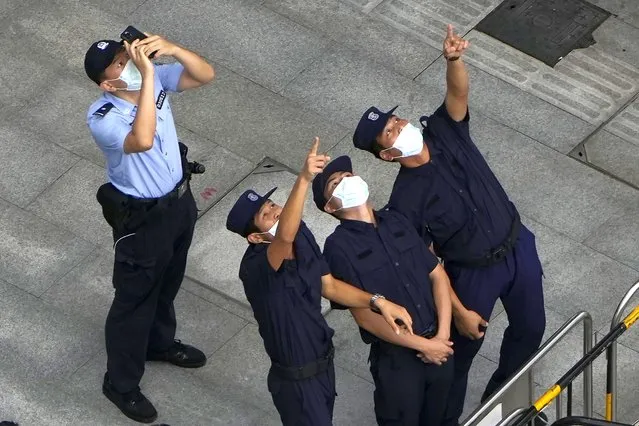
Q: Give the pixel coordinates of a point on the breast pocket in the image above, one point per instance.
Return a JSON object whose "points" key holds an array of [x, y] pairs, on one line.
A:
{"points": [[406, 245], [372, 268], [443, 216]]}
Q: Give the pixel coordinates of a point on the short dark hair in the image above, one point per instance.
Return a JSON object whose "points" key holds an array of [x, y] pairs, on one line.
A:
{"points": [[252, 228], [376, 148], [101, 77]]}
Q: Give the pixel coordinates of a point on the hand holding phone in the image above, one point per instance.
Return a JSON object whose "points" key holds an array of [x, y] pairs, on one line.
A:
{"points": [[130, 34]]}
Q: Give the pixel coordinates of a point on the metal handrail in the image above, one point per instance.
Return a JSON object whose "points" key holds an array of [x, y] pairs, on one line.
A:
{"points": [[586, 421], [511, 416], [611, 406], [584, 317]]}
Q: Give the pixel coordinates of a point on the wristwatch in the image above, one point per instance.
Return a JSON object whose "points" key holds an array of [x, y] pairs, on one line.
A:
{"points": [[374, 299], [452, 59]]}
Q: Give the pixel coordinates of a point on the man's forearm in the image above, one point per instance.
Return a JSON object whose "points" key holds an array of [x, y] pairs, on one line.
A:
{"points": [[291, 215], [442, 296], [345, 294], [195, 65], [457, 78], [143, 126], [376, 325], [457, 305]]}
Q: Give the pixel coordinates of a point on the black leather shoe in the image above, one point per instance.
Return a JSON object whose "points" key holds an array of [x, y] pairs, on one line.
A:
{"points": [[181, 355], [133, 404]]}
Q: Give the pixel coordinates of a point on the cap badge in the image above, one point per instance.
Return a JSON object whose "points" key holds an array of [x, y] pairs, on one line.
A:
{"points": [[102, 45], [373, 116], [252, 197]]}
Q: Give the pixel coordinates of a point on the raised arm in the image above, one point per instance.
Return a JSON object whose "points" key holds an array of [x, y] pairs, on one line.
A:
{"points": [[142, 133], [197, 71], [456, 75], [282, 245]]}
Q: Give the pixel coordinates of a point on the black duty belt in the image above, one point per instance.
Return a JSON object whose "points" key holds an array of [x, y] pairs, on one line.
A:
{"points": [[497, 254], [306, 371], [177, 192]]}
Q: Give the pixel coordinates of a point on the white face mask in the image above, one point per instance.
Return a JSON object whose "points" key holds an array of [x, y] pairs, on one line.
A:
{"points": [[352, 191], [273, 229], [131, 76], [409, 142]]}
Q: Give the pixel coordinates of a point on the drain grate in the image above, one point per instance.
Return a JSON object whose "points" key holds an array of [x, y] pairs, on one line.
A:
{"points": [[545, 29]]}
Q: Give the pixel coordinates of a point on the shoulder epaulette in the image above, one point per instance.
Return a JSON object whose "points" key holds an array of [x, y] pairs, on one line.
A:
{"points": [[103, 110]]}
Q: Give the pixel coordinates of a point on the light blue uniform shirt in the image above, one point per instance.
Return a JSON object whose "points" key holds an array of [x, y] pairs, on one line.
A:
{"points": [[148, 174]]}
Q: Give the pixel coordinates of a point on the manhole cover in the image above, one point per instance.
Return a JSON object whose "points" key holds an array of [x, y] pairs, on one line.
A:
{"points": [[544, 29]]}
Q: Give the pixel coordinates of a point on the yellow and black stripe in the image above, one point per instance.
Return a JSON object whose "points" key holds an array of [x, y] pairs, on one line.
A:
{"points": [[577, 369], [625, 324]]}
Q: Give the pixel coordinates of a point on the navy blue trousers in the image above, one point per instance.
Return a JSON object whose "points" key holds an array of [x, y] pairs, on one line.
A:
{"points": [[149, 266], [307, 402], [408, 392], [517, 281]]}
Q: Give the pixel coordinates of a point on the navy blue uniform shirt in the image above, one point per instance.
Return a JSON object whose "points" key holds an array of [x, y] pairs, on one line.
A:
{"points": [[287, 303], [454, 200], [389, 259]]}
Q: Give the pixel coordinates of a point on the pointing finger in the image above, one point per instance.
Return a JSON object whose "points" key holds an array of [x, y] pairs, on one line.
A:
{"points": [[449, 31], [315, 146]]}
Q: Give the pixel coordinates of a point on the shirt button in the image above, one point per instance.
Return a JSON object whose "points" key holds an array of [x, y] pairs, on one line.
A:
{"points": [[166, 154], [488, 231], [396, 263], [461, 190], [407, 285], [475, 210], [419, 306]]}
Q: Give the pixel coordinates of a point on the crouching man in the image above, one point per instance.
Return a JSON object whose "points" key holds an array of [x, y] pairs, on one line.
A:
{"points": [[380, 252]]}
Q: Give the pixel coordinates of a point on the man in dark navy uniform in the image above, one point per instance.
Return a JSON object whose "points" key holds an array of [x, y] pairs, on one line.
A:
{"points": [[450, 195], [284, 277], [380, 252]]}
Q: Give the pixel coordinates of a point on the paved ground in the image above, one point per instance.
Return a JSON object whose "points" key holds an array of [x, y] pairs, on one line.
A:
{"points": [[288, 70]]}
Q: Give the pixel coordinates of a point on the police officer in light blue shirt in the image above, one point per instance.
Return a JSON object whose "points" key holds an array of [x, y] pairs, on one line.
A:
{"points": [[147, 202]]}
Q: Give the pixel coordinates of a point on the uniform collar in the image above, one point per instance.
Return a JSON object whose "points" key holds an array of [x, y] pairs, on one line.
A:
{"points": [[122, 105], [360, 225], [415, 171], [423, 169]]}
